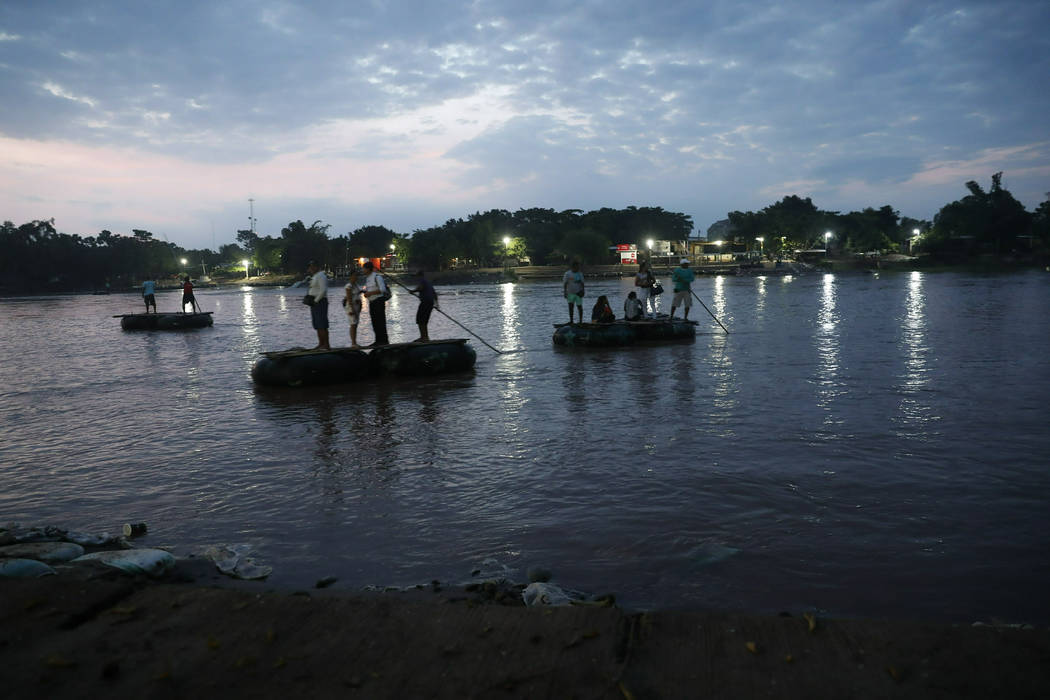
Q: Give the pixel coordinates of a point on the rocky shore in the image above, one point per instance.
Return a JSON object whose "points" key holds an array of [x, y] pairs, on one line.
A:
{"points": [[185, 629]]}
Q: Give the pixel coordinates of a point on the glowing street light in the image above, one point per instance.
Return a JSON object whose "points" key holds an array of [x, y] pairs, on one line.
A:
{"points": [[183, 261], [506, 241], [760, 239], [245, 263], [827, 237]]}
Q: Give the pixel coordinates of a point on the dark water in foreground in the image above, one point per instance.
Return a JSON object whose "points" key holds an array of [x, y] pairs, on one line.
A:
{"points": [[859, 445]]}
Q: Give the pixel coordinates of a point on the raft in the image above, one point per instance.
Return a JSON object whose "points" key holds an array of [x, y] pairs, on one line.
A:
{"points": [[164, 322], [299, 367], [424, 359], [620, 333]]}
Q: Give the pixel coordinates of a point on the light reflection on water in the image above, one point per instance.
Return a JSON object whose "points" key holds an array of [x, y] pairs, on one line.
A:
{"points": [[828, 443]]}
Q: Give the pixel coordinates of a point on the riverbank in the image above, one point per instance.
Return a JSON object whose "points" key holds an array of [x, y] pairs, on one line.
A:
{"points": [[98, 632]]}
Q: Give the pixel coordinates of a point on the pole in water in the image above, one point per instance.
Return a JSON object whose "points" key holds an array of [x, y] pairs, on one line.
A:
{"points": [[498, 352], [669, 270]]}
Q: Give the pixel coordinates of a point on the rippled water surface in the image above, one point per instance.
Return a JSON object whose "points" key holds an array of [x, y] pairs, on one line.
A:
{"points": [[859, 444]]}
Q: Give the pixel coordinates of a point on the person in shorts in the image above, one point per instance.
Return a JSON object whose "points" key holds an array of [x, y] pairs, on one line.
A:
{"points": [[572, 289], [427, 302], [149, 289], [682, 278], [187, 296]]}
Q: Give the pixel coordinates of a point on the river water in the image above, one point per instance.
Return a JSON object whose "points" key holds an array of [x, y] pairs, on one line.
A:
{"points": [[859, 444]]}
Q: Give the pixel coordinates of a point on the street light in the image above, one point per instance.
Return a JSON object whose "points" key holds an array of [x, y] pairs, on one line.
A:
{"points": [[760, 239], [245, 263], [827, 237], [183, 261], [506, 241]]}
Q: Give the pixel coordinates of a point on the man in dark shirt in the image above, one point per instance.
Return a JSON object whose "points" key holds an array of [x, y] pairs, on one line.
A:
{"points": [[427, 301]]}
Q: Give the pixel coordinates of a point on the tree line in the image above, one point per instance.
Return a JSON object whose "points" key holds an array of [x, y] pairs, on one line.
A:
{"points": [[37, 257], [992, 222]]}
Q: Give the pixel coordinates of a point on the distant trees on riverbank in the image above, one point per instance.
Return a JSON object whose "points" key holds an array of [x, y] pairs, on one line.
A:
{"points": [[36, 257], [991, 222]]}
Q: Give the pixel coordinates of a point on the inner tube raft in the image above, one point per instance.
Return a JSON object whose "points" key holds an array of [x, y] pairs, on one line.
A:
{"points": [[311, 367], [424, 359], [314, 367], [165, 322], [619, 333]]}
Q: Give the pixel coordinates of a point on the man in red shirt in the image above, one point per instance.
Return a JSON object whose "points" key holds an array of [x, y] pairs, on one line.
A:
{"points": [[187, 296]]}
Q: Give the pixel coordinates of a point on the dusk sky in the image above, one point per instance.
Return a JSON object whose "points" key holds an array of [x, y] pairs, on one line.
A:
{"points": [[169, 116]]}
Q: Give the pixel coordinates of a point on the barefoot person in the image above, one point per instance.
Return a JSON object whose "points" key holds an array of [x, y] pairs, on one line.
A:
{"points": [[352, 304], [682, 277], [187, 296], [572, 289], [319, 307], [149, 289], [427, 302]]}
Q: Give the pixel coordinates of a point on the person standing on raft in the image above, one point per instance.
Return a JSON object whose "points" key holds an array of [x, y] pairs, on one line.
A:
{"points": [[319, 306], [352, 304], [427, 302], [377, 293], [187, 296], [572, 289], [149, 289], [682, 277], [643, 282]]}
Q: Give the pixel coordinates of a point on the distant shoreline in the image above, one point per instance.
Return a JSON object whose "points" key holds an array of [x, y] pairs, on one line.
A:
{"points": [[837, 265]]}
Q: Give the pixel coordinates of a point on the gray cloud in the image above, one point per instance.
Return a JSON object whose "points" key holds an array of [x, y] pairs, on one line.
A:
{"points": [[607, 98]]}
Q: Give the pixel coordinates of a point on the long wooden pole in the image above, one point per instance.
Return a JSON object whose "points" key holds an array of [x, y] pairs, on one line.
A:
{"points": [[671, 272], [498, 352]]}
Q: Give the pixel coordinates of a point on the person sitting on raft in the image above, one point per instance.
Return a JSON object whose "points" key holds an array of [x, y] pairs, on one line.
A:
{"points": [[602, 312], [632, 308]]}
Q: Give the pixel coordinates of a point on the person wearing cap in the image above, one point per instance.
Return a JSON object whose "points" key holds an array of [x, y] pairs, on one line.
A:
{"points": [[376, 293], [682, 278], [319, 307], [427, 302]]}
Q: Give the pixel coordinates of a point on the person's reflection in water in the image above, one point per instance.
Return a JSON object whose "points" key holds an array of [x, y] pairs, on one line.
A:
{"points": [[428, 430], [375, 422]]}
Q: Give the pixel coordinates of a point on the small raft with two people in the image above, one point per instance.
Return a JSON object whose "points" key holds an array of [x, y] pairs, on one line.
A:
{"points": [[620, 333], [165, 322], [300, 367]]}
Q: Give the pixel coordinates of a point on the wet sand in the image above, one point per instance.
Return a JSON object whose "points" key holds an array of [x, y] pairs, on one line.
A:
{"points": [[94, 632]]}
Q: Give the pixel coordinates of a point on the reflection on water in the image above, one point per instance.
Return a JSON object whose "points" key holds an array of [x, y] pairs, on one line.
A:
{"points": [[719, 299], [914, 410], [760, 298], [827, 344]]}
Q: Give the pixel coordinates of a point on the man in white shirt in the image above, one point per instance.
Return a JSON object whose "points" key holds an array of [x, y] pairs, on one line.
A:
{"points": [[319, 307], [375, 291]]}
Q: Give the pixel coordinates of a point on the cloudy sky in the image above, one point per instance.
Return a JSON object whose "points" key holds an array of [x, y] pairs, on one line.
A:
{"points": [[170, 116]]}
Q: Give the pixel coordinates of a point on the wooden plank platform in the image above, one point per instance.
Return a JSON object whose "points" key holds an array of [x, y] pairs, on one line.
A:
{"points": [[646, 322], [164, 313], [298, 352]]}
